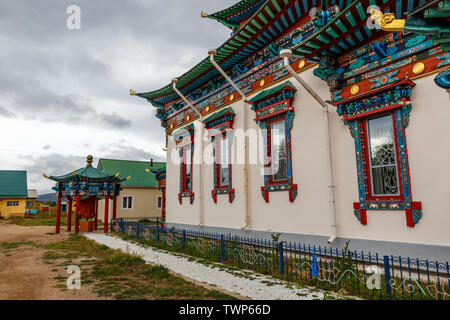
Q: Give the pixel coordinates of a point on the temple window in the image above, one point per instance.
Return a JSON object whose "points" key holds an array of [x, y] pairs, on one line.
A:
{"points": [[278, 149], [382, 156], [223, 165], [184, 140], [275, 116], [378, 122], [186, 169], [220, 131]]}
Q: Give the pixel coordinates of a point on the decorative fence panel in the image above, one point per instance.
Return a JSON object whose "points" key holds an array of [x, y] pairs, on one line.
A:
{"points": [[349, 272]]}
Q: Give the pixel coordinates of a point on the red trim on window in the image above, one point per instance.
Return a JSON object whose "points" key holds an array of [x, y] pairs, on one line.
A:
{"points": [[184, 167], [371, 196], [280, 118]]}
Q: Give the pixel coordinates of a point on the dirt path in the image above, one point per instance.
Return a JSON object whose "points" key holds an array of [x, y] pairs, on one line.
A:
{"points": [[23, 273]]}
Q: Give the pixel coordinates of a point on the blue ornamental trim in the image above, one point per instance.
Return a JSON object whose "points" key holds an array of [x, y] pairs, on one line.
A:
{"points": [[278, 104], [222, 126], [401, 113]]}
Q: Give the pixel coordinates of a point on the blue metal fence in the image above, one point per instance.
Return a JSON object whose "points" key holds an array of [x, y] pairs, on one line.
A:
{"points": [[349, 272]]}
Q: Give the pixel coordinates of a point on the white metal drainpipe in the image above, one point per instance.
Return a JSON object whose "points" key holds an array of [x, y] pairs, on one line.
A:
{"points": [[200, 184], [286, 54], [212, 53]]}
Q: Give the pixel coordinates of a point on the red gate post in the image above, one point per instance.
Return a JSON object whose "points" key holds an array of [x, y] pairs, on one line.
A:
{"points": [[114, 207], [96, 214], [69, 215], [77, 212], [58, 214], [105, 222]]}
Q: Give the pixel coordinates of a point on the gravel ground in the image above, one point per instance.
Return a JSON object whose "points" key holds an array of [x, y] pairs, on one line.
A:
{"points": [[253, 286]]}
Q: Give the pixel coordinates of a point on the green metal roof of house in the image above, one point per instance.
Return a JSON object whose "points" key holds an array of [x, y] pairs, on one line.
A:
{"points": [[13, 184], [135, 169], [266, 93]]}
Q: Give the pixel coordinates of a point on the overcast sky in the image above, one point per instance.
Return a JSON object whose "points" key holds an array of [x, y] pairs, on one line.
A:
{"points": [[64, 93]]}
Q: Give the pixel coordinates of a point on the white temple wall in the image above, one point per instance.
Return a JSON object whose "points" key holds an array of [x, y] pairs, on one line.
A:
{"points": [[429, 155]]}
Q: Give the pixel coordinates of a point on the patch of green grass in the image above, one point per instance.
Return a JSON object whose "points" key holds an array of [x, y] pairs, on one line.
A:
{"points": [[15, 245], [119, 275]]}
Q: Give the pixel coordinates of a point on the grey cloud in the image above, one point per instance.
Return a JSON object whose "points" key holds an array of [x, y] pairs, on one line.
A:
{"points": [[115, 121], [49, 73], [51, 164], [6, 113], [124, 152]]}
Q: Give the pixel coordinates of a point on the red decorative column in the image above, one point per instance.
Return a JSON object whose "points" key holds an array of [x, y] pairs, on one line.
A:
{"points": [[58, 214], [114, 207], [96, 214], [69, 215], [105, 222], [77, 212]]}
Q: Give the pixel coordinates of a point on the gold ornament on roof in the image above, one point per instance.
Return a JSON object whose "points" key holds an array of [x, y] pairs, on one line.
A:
{"points": [[387, 21], [419, 68], [89, 161], [301, 64], [354, 90], [132, 92], [203, 15]]}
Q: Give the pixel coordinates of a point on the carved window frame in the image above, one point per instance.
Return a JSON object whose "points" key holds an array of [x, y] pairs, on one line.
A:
{"points": [[220, 126], [391, 100], [184, 140], [276, 106]]}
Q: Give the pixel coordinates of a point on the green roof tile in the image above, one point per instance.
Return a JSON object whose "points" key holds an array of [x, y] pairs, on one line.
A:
{"points": [[269, 92], [13, 183], [219, 114], [135, 169]]}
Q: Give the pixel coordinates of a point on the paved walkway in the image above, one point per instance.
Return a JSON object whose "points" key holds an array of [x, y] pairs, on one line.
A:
{"points": [[246, 284]]}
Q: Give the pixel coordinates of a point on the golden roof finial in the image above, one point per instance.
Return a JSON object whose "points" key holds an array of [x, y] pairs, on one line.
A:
{"points": [[148, 170], [203, 14], [133, 93], [117, 174], [89, 160], [45, 176]]}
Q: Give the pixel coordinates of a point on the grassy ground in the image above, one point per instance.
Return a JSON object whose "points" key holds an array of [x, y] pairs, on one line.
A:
{"points": [[44, 219], [118, 275]]}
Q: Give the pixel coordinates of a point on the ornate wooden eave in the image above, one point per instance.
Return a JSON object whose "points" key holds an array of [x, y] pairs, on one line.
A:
{"points": [[234, 15], [266, 25]]}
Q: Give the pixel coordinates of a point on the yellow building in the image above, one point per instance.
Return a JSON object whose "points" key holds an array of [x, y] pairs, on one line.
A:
{"points": [[16, 201], [140, 196]]}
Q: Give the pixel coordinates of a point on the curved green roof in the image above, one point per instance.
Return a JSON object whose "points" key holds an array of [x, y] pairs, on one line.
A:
{"points": [[87, 172], [235, 14]]}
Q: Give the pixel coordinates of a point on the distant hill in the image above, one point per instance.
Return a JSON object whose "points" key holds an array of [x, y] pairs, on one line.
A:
{"points": [[48, 196]]}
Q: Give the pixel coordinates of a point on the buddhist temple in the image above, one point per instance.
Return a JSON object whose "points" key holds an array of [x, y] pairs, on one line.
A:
{"points": [[325, 121]]}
